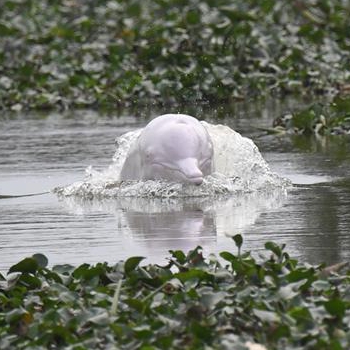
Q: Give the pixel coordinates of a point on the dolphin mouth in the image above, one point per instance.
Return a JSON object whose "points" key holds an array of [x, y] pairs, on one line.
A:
{"points": [[185, 178], [195, 180]]}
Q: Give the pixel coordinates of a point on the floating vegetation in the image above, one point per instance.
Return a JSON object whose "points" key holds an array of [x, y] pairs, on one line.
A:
{"points": [[234, 301], [331, 118], [97, 53]]}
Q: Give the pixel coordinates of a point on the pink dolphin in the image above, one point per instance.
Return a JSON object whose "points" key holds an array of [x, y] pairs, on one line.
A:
{"points": [[173, 147]]}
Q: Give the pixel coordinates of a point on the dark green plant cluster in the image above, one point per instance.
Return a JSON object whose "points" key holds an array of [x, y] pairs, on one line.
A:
{"points": [[90, 53], [332, 118], [232, 302]]}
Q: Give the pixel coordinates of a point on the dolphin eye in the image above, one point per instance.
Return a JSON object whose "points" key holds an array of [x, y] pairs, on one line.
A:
{"points": [[149, 155]]}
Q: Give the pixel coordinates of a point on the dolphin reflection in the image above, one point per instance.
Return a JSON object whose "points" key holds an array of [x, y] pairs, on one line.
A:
{"points": [[154, 226]]}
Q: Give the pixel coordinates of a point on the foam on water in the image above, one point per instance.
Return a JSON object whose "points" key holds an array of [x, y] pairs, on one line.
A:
{"points": [[239, 168]]}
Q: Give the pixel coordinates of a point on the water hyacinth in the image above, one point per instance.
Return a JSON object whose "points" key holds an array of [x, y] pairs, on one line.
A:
{"points": [[234, 301], [120, 52], [330, 118]]}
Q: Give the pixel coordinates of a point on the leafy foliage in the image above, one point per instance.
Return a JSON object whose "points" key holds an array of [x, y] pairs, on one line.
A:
{"points": [[193, 302], [101, 53], [319, 118]]}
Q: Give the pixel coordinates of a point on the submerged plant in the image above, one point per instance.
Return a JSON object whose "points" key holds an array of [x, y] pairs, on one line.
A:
{"points": [[194, 302]]}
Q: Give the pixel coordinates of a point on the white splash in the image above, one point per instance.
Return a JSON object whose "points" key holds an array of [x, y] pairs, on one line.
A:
{"points": [[239, 168]]}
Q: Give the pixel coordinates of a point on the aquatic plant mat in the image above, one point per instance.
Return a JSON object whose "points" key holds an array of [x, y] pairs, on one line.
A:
{"points": [[234, 301], [93, 53], [320, 118]]}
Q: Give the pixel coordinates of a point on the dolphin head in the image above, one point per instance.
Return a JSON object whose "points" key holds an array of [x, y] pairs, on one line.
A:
{"points": [[173, 147], [178, 152]]}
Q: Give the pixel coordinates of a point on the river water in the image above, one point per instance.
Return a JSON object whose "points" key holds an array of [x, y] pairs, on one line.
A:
{"points": [[41, 151]]}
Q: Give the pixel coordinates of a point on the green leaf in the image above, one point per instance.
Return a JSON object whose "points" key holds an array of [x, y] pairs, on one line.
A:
{"points": [[321, 285], [228, 256], [277, 250], [211, 299], [301, 274], [134, 9], [6, 30], [194, 274], [235, 14], [336, 307], [101, 318], [238, 239], [67, 297], [266, 316], [65, 269], [29, 281], [193, 17], [27, 265], [15, 315], [41, 260], [136, 304], [195, 256], [82, 271], [290, 290], [179, 256], [304, 120], [132, 263], [300, 314], [201, 331], [114, 276]]}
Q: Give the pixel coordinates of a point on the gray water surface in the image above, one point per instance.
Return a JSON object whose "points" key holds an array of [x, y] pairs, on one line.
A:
{"points": [[39, 152]]}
